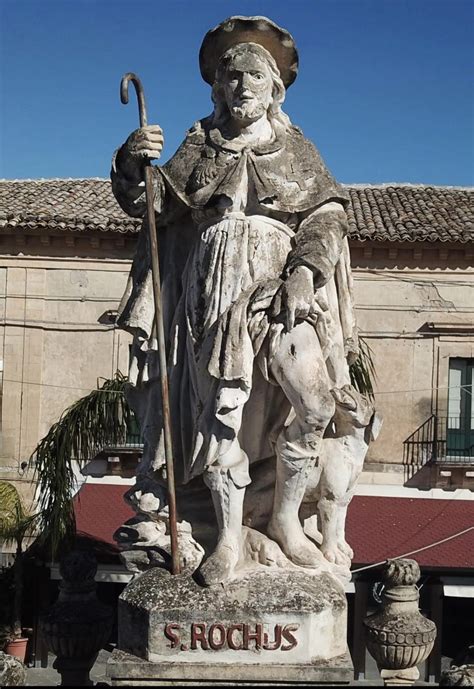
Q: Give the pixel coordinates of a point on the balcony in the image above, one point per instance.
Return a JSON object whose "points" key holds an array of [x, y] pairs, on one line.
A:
{"points": [[119, 459], [441, 451]]}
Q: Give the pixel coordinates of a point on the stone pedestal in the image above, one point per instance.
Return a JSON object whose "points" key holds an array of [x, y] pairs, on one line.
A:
{"points": [[126, 670], [267, 626]]}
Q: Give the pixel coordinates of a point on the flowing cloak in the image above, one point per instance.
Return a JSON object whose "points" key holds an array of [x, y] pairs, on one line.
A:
{"points": [[217, 204]]}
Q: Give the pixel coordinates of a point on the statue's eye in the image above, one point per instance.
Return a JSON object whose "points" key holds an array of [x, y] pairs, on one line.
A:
{"points": [[258, 76]]}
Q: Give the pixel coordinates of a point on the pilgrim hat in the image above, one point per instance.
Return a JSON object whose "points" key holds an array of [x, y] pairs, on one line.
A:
{"points": [[260, 30]]}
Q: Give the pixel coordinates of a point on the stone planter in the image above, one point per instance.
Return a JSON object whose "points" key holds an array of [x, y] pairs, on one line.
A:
{"points": [[78, 625], [398, 636]]}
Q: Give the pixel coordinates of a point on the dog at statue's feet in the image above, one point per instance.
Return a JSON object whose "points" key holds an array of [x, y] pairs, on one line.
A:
{"points": [[332, 483]]}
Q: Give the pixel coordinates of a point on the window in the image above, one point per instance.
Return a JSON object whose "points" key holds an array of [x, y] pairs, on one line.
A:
{"points": [[460, 421]]}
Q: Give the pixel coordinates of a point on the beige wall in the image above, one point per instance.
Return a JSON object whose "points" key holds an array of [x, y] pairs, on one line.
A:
{"points": [[54, 349], [395, 298]]}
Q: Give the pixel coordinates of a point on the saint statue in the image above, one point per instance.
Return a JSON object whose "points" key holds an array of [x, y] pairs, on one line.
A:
{"points": [[258, 312]]}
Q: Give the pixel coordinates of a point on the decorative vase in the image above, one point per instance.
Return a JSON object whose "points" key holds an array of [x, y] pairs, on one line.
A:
{"points": [[78, 625], [398, 636]]}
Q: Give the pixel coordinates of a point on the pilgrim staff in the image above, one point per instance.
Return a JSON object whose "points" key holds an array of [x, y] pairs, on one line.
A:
{"points": [[158, 320]]}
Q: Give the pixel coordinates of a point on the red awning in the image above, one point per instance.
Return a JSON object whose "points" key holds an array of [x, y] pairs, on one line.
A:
{"points": [[378, 528]]}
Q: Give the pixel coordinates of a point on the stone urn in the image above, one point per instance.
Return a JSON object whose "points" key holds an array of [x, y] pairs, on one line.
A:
{"points": [[397, 635], [78, 625]]}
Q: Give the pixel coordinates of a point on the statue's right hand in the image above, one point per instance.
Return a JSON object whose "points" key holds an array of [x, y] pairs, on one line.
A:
{"points": [[145, 144]]}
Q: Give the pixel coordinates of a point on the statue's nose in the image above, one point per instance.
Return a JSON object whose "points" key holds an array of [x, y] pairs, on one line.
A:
{"points": [[245, 80]]}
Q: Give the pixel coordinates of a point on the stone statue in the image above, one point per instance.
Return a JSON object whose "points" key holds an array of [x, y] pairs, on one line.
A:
{"points": [[258, 313]]}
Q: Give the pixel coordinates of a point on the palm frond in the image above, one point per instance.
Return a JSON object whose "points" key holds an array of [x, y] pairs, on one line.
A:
{"points": [[94, 421], [362, 371], [15, 523]]}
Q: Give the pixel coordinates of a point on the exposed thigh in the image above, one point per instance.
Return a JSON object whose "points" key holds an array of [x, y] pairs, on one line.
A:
{"points": [[299, 368]]}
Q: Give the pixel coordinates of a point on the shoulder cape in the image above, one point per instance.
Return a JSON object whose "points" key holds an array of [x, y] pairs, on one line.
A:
{"points": [[288, 174]]}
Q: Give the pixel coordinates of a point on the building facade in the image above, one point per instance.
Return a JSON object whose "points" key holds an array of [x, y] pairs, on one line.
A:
{"points": [[412, 255], [65, 252]]}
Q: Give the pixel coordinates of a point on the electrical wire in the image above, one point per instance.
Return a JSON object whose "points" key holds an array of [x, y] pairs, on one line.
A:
{"points": [[416, 281], [466, 388], [413, 552], [439, 387], [62, 387]]}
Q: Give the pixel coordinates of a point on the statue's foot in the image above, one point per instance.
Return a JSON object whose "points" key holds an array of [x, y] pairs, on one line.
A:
{"points": [[297, 548], [219, 567], [335, 556], [345, 548]]}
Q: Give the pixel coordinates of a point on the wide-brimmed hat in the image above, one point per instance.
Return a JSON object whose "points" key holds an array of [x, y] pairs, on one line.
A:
{"points": [[260, 30]]}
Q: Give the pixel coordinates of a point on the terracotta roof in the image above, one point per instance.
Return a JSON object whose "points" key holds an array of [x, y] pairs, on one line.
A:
{"points": [[62, 204], [393, 212], [408, 213], [100, 509], [377, 528]]}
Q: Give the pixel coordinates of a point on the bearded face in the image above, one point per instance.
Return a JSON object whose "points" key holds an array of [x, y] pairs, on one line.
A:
{"points": [[247, 86]]}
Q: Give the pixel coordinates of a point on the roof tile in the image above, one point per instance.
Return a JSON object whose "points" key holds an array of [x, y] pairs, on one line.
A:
{"points": [[377, 528], [393, 212]]}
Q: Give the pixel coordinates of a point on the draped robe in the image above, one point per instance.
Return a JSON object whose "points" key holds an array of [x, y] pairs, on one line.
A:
{"points": [[233, 222]]}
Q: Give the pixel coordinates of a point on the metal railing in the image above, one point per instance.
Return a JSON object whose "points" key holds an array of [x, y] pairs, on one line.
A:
{"points": [[128, 443], [440, 440], [133, 440]]}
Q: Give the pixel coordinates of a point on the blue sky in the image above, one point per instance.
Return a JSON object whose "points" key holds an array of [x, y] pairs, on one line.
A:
{"points": [[384, 90]]}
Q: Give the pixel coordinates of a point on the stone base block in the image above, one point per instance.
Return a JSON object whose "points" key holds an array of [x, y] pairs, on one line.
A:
{"points": [[127, 670], [283, 624]]}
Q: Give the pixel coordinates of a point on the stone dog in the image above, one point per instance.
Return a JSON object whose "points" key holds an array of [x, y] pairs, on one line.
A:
{"points": [[332, 482]]}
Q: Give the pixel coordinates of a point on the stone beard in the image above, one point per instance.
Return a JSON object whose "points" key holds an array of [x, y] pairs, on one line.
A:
{"points": [[260, 329]]}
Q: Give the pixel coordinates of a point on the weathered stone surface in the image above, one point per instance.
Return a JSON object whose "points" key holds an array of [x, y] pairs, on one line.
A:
{"points": [[261, 618], [124, 669], [458, 676], [150, 544], [398, 636], [12, 671], [258, 317]]}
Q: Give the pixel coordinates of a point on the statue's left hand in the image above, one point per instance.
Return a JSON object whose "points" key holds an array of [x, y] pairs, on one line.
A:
{"points": [[297, 295]]}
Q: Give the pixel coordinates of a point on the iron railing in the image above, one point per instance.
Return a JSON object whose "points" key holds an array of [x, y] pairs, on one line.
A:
{"points": [[129, 443], [440, 440], [132, 440]]}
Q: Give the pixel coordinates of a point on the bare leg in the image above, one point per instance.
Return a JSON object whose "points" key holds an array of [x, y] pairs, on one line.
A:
{"points": [[228, 499], [294, 463], [343, 545], [331, 512], [344, 457], [334, 484], [300, 369]]}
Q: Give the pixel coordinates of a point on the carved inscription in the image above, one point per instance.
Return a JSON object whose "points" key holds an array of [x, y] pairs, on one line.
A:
{"points": [[236, 637]]}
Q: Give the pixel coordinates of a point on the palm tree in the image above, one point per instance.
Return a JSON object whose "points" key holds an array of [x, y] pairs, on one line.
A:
{"points": [[101, 418], [15, 525]]}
